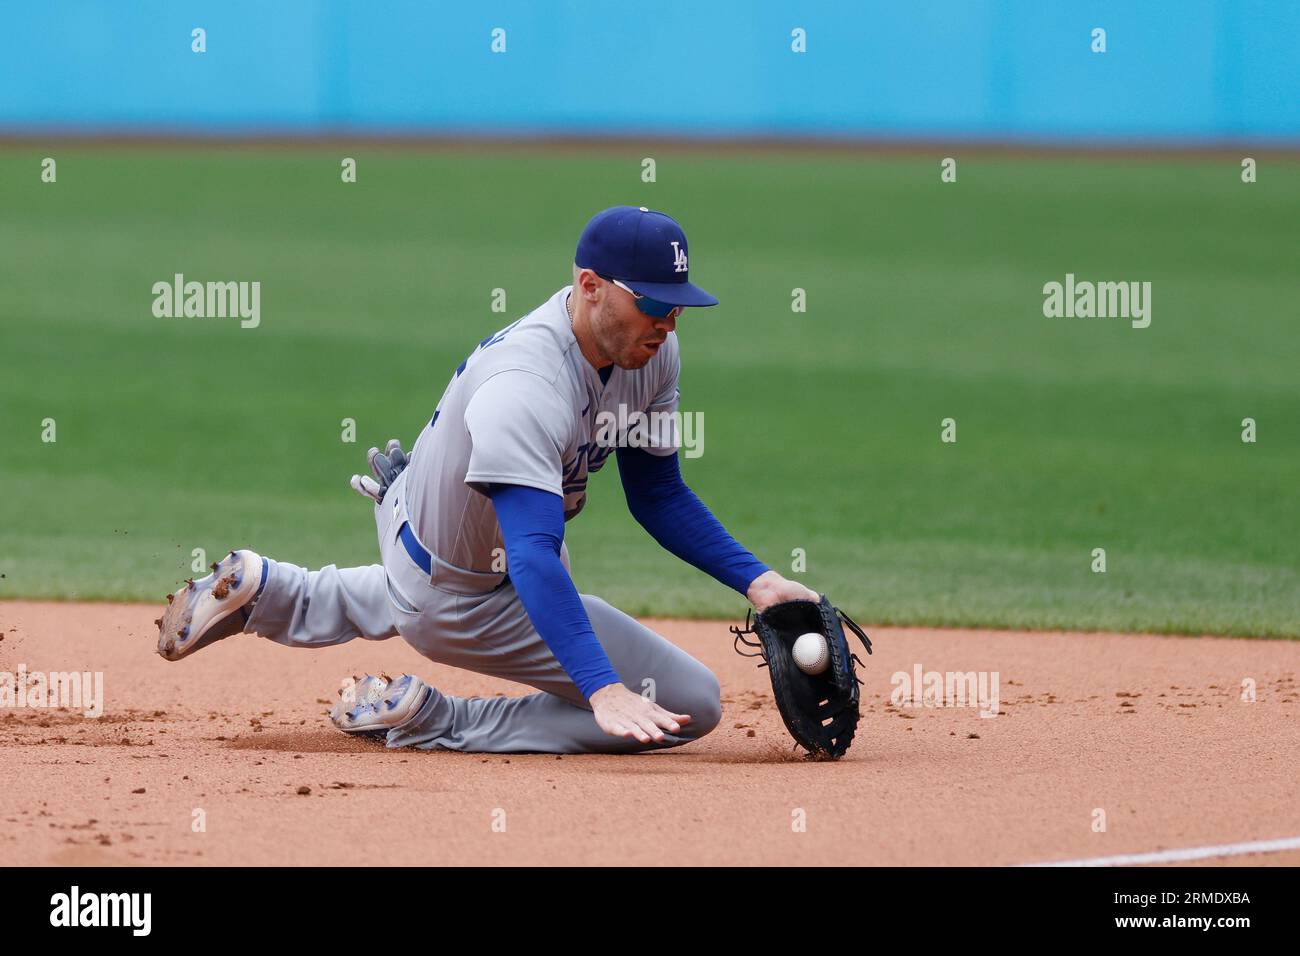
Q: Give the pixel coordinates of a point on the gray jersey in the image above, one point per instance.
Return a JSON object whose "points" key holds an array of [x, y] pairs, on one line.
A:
{"points": [[527, 409]]}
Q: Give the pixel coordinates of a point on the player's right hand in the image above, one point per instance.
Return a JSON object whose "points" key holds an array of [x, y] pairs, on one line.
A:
{"points": [[621, 713]]}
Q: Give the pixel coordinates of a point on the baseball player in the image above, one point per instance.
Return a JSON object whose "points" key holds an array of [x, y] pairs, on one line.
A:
{"points": [[499, 468]]}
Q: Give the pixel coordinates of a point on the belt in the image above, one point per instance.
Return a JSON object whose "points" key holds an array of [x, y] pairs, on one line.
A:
{"points": [[421, 556]]}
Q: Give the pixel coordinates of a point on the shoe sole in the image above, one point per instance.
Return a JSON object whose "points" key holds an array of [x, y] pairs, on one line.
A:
{"points": [[193, 612], [414, 696]]}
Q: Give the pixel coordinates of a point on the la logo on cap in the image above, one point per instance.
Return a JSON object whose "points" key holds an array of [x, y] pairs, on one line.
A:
{"points": [[679, 257]]}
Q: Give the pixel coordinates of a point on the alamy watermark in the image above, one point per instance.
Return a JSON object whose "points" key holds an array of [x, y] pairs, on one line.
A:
{"points": [[922, 688], [638, 429], [208, 300], [69, 690], [1102, 300], [129, 910]]}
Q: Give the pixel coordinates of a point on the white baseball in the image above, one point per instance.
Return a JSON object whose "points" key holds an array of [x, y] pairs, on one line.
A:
{"points": [[811, 653]]}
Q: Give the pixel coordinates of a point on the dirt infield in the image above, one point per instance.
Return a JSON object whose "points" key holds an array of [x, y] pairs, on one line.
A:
{"points": [[1151, 731]]}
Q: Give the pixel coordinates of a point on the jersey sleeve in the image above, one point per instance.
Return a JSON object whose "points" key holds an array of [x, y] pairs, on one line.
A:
{"points": [[532, 526], [518, 428], [664, 438]]}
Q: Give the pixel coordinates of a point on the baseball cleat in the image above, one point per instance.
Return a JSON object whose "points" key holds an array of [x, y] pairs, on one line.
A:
{"points": [[375, 705], [212, 607]]}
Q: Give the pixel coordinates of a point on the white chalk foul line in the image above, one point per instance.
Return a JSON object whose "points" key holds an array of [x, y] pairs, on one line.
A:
{"points": [[1179, 856]]}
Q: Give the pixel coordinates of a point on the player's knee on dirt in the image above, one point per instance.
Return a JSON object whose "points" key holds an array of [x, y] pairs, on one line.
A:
{"points": [[704, 704]]}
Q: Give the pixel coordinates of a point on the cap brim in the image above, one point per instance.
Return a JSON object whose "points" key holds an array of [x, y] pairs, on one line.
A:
{"points": [[674, 293]]}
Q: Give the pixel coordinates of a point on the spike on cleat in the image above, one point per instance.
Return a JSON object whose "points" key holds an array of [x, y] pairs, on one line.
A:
{"points": [[382, 704], [209, 609]]}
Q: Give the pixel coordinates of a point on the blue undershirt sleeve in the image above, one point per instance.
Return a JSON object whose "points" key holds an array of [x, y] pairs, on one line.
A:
{"points": [[662, 503], [532, 524]]}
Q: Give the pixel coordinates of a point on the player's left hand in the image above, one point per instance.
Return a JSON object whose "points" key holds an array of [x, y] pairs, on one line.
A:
{"points": [[771, 588], [386, 465], [624, 713]]}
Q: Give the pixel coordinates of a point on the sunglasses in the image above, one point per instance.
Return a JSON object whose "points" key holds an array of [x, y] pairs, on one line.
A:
{"points": [[648, 306]]}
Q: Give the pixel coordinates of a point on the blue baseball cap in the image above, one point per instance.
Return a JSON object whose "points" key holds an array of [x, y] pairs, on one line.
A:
{"points": [[643, 249]]}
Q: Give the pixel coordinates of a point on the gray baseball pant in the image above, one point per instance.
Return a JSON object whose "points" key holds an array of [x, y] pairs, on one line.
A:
{"points": [[487, 631]]}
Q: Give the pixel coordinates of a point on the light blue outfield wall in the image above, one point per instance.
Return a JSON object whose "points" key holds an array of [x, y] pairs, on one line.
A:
{"points": [[1176, 69]]}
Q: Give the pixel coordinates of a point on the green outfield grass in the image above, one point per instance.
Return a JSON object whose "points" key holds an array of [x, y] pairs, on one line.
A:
{"points": [[822, 429]]}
